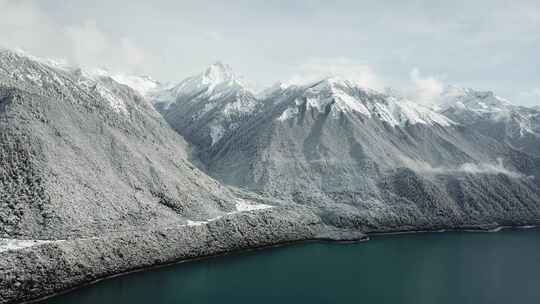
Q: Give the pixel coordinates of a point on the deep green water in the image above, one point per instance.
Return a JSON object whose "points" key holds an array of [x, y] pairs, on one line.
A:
{"points": [[433, 268]]}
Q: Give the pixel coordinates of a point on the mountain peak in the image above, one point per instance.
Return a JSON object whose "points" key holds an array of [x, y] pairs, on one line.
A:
{"points": [[218, 72], [216, 81]]}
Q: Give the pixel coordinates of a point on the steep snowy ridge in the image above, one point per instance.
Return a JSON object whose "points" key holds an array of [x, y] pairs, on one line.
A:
{"points": [[342, 96], [51, 76]]}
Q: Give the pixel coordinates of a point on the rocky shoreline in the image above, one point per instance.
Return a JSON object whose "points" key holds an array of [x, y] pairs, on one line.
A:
{"points": [[34, 273], [47, 269]]}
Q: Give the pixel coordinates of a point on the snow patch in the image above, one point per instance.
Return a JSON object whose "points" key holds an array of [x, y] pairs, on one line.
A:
{"points": [[216, 132], [15, 244], [199, 223], [288, 114], [242, 105], [241, 206]]}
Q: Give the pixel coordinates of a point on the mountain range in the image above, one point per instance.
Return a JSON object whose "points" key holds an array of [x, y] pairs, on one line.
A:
{"points": [[104, 173], [364, 159]]}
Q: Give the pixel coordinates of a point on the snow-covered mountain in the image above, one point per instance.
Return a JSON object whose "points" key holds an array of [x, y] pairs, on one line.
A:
{"points": [[93, 142], [82, 154], [494, 116], [91, 165], [94, 182], [205, 107]]}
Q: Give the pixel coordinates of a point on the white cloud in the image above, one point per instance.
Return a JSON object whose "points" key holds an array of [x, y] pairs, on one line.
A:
{"points": [[134, 55], [534, 93], [215, 36], [468, 168], [531, 97], [88, 42], [317, 69], [426, 89], [91, 46], [421, 88], [24, 25]]}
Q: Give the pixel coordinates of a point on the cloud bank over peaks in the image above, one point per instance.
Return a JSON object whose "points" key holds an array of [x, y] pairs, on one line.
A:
{"points": [[425, 89], [421, 88], [316, 69], [25, 25]]}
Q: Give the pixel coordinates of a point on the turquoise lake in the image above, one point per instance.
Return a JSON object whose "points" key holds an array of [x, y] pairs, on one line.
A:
{"points": [[453, 267]]}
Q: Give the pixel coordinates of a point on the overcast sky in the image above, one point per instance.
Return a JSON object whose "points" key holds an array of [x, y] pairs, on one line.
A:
{"points": [[491, 45]]}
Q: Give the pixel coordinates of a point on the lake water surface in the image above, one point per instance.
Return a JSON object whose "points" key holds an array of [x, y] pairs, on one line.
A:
{"points": [[453, 267]]}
